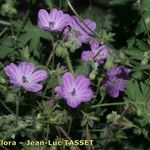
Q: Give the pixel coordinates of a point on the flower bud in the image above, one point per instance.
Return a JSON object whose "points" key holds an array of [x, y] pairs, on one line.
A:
{"points": [[109, 62], [2, 80], [8, 9], [60, 51], [72, 45], [25, 53], [92, 75]]}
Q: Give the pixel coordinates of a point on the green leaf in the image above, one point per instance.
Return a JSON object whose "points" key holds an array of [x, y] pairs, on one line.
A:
{"points": [[139, 95], [6, 47], [33, 34]]}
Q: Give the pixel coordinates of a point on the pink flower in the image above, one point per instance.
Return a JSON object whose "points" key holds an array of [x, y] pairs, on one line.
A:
{"points": [[74, 90], [55, 21], [25, 76], [81, 32], [99, 52], [115, 80]]}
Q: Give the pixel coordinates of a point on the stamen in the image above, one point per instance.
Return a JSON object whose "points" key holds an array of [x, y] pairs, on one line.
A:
{"points": [[51, 24], [24, 80], [73, 93]]}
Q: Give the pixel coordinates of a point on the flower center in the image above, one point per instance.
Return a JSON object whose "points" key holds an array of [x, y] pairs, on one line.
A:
{"points": [[24, 79], [73, 93], [51, 25], [116, 82]]}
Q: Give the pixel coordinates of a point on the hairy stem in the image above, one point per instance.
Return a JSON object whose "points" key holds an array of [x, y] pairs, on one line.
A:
{"points": [[115, 104], [17, 108], [75, 12], [4, 23], [7, 108], [69, 64]]}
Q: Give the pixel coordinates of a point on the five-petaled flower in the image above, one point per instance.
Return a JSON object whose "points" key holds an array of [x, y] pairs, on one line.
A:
{"points": [[115, 80], [82, 31], [74, 90], [99, 52], [24, 75], [54, 21]]}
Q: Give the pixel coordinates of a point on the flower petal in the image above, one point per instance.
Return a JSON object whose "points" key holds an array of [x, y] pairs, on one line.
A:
{"points": [[86, 55], [73, 103], [68, 80], [26, 68], [33, 87], [38, 76], [90, 24], [59, 90], [82, 82], [43, 19], [14, 74], [86, 95]]}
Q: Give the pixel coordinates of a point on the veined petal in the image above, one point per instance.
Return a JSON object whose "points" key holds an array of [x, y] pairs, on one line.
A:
{"points": [[43, 19], [26, 68], [68, 80], [86, 95], [14, 74], [38, 76], [82, 82], [86, 55], [53, 14], [59, 90], [73, 103], [33, 87], [90, 24]]}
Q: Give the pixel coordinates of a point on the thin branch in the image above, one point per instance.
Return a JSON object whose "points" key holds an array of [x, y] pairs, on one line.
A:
{"points": [[4, 23], [8, 109]]}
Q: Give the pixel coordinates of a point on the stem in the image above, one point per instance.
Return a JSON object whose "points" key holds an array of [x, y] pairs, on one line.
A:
{"points": [[68, 61], [88, 137], [115, 104], [5, 29], [49, 59], [143, 19], [17, 108], [5, 23], [65, 134], [8, 109], [74, 11], [51, 54], [70, 123]]}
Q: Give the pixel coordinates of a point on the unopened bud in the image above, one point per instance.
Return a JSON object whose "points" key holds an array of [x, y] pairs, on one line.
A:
{"points": [[60, 51], [25, 53]]}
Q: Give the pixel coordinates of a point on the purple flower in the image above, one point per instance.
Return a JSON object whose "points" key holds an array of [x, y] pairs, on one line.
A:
{"points": [[55, 21], [81, 32], [24, 75], [119, 72], [74, 90], [99, 52], [115, 80]]}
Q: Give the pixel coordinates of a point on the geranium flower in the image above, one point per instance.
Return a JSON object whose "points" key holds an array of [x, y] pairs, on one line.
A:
{"points": [[119, 72], [24, 75], [74, 90], [80, 32], [55, 21], [98, 52], [115, 80]]}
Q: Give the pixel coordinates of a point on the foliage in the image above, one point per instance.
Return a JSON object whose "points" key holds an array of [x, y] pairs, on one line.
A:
{"points": [[124, 26]]}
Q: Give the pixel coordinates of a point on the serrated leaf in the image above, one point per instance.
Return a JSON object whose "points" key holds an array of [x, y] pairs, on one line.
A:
{"points": [[6, 47]]}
